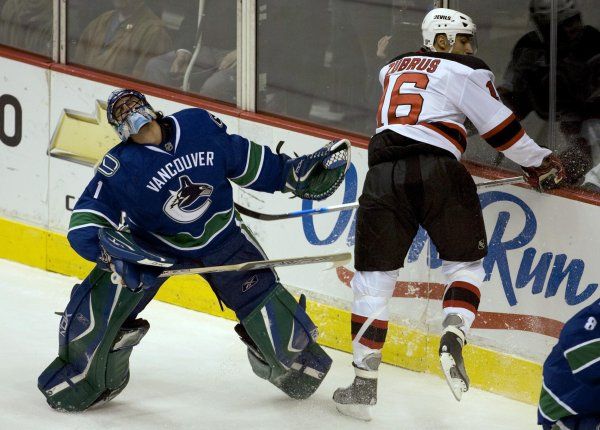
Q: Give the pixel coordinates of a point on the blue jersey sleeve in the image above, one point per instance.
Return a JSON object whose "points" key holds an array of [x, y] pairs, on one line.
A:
{"points": [[580, 341], [94, 210], [254, 166]]}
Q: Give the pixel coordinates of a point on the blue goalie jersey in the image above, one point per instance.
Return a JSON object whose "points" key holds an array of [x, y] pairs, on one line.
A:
{"points": [[571, 384], [177, 196]]}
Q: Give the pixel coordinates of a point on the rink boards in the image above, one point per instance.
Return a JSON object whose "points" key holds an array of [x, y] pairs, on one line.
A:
{"points": [[541, 266]]}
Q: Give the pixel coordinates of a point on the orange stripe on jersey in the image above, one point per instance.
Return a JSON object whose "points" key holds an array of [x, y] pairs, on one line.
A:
{"points": [[460, 145], [454, 127], [511, 142], [505, 135], [499, 127]]}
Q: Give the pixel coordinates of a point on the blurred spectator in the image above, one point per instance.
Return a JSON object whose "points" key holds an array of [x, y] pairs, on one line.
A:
{"points": [[357, 28], [213, 73], [526, 82], [80, 13], [123, 40], [405, 30], [27, 25], [291, 55]]}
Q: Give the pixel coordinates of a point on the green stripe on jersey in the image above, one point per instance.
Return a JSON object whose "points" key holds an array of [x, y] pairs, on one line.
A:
{"points": [[583, 355], [82, 218], [253, 166], [551, 408], [187, 242]]}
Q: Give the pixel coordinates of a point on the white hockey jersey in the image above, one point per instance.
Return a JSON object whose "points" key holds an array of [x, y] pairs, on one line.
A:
{"points": [[428, 95]]}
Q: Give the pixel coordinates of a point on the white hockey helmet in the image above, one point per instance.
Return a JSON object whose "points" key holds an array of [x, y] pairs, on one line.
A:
{"points": [[446, 21]]}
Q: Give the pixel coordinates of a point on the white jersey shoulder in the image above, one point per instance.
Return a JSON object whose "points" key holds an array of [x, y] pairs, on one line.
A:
{"points": [[428, 96]]}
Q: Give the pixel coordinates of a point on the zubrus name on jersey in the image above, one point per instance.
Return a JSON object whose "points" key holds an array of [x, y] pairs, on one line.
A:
{"points": [[177, 195]]}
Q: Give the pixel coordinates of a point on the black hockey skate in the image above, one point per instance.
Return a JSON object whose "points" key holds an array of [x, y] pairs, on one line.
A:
{"points": [[451, 359], [358, 398]]}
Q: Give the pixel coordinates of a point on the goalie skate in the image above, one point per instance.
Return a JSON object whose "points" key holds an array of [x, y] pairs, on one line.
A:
{"points": [[451, 360]]}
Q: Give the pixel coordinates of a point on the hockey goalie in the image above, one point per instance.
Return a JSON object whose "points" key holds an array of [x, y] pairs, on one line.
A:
{"points": [[172, 176]]}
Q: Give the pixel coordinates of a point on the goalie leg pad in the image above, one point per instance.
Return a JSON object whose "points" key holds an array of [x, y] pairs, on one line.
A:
{"points": [[281, 344], [117, 364], [307, 373], [94, 348]]}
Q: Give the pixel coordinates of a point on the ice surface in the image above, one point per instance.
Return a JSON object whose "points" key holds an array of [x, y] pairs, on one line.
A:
{"points": [[191, 372]]}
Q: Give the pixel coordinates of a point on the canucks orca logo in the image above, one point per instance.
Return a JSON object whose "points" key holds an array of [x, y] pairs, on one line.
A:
{"points": [[185, 205]]}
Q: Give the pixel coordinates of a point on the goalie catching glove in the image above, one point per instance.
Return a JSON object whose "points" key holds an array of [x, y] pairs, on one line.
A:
{"points": [[316, 176], [547, 175]]}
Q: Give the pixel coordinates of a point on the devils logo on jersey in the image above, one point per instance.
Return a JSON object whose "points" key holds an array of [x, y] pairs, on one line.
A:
{"points": [[189, 202]]}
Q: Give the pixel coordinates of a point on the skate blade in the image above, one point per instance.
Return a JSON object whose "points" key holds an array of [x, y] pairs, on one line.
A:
{"points": [[360, 412], [456, 384]]}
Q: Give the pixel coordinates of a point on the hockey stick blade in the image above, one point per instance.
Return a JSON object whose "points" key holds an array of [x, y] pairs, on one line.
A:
{"points": [[498, 182], [338, 259]]}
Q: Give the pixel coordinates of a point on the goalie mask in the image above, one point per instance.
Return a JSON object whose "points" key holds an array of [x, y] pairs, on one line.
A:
{"points": [[128, 111], [449, 22]]}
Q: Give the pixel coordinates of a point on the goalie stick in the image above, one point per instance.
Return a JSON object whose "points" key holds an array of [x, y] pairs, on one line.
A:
{"points": [[337, 259], [347, 206]]}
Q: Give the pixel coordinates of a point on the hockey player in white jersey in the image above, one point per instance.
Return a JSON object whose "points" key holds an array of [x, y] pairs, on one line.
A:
{"points": [[415, 178]]}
